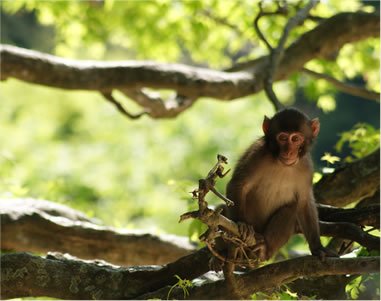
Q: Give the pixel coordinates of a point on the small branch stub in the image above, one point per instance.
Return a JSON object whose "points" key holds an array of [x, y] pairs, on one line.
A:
{"points": [[219, 226]]}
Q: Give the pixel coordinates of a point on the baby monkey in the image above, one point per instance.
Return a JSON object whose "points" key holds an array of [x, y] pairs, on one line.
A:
{"points": [[271, 186]]}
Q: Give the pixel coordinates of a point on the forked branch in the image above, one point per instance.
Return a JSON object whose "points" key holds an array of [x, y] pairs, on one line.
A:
{"points": [[219, 226]]}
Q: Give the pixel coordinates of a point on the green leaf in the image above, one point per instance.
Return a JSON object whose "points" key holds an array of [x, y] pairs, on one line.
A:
{"points": [[330, 158], [327, 103]]}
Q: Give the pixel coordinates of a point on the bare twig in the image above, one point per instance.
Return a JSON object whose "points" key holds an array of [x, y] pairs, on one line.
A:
{"points": [[222, 21], [219, 225], [276, 54], [155, 106], [344, 87], [108, 96], [281, 10]]}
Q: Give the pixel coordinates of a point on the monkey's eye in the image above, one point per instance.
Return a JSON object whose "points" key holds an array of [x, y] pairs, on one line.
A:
{"points": [[283, 137], [297, 138]]}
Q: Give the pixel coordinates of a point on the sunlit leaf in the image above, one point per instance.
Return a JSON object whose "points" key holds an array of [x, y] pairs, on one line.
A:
{"points": [[330, 158]]}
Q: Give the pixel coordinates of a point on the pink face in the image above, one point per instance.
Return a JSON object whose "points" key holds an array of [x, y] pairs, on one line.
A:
{"points": [[289, 144]]}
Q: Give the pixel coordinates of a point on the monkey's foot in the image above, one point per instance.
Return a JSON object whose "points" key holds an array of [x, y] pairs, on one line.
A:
{"points": [[322, 253], [248, 235]]}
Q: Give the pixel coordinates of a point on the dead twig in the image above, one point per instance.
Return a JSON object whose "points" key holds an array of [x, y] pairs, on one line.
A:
{"points": [[218, 225], [108, 96]]}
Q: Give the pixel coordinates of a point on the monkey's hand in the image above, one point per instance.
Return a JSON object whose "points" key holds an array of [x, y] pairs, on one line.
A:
{"points": [[323, 252], [247, 234]]}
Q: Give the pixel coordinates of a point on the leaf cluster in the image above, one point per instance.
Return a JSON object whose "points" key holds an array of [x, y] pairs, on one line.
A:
{"points": [[362, 139]]}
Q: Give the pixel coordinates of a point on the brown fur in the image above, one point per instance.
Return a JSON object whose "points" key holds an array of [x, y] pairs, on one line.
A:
{"points": [[274, 197]]}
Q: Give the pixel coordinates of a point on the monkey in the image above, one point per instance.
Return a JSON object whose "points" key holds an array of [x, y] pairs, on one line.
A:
{"points": [[271, 185]]}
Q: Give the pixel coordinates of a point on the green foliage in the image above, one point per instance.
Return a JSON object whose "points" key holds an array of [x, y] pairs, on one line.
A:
{"points": [[78, 150], [327, 103], [362, 139], [74, 148], [365, 287], [184, 284], [364, 252]]}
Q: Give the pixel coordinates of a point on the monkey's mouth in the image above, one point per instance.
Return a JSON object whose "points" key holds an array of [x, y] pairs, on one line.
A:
{"points": [[288, 161]]}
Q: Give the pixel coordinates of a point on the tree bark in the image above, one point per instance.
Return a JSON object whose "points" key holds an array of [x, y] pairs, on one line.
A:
{"points": [[41, 226], [65, 277], [350, 183], [49, 70], [363, 216], [25, 275]]}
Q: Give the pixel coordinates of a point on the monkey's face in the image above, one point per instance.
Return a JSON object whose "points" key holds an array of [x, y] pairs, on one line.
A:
{"points": [[290, 147], [289, 135]]}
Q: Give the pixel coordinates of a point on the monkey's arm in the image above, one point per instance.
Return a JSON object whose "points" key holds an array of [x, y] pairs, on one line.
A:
{"points": [[235, 192]]}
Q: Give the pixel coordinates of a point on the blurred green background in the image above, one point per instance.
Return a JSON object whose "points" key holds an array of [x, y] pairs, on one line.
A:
{"points": [[74, 148]]}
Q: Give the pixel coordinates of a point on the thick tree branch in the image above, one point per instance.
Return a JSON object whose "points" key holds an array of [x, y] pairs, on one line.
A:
{"points": [[322, 288], [190, 82], [42, 226], [364, 216], [345, 87], [371, 200], [25, 275], [276, 274], [351, 183], [350, 232], [64, 277]]}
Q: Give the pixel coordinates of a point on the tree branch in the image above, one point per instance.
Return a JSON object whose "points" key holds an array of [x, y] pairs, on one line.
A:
{"points": [[281, 10], [351, 232], [365, 216], [344, 87], [276, 54], [156, 107], [28, 224], [274, 275], [65, 277], [322, 288], [221, 20], [191, 82], [108, 96], [350, 183]]}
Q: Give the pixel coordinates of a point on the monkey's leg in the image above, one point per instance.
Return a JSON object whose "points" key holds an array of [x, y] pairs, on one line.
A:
{"points": [[279, 228]]}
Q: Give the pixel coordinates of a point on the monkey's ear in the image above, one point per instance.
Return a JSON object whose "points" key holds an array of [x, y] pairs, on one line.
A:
{"points": [[266, 125], [315, 127]]}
